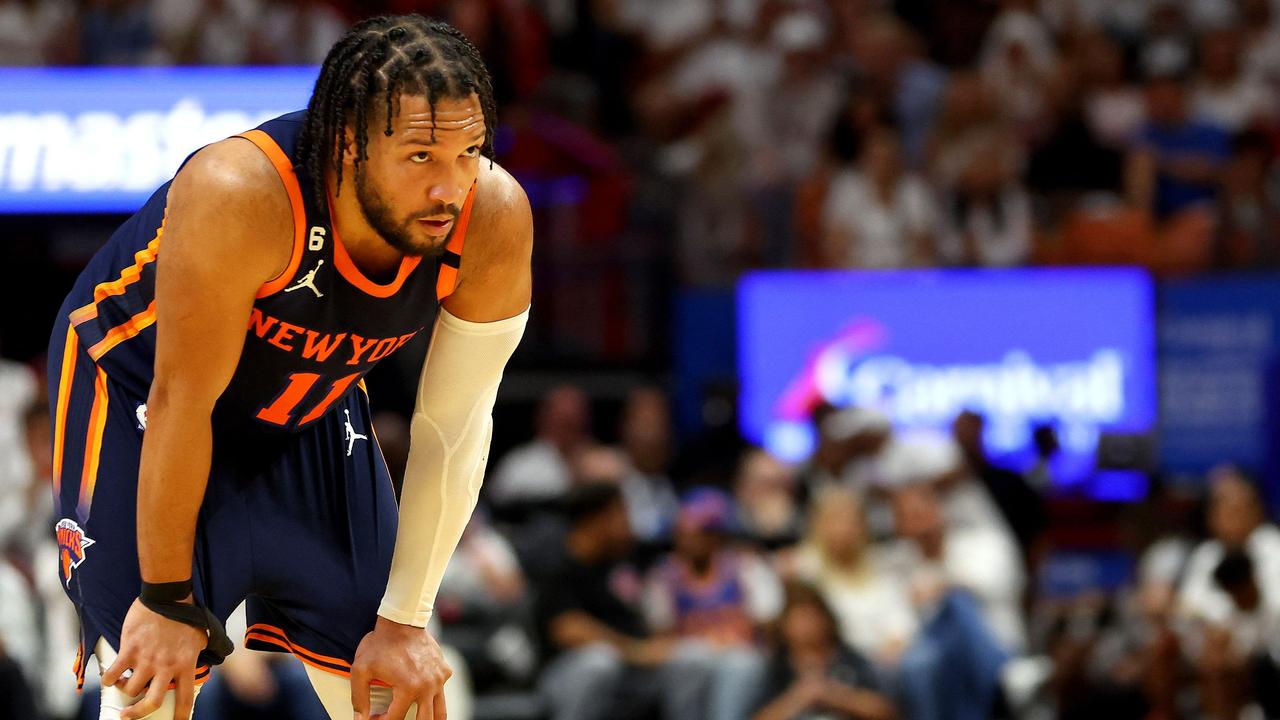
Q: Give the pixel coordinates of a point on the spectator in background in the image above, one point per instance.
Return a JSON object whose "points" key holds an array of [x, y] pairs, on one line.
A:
{"points": [[1021, 505], [862, 111], [481, 606], [986, 217], [892, 59], [938, 557], [966, 584], [797, 105], [58, 624], [1113, 108], [814, 676], [1018, 56], [297, 32], [1176, 161], [116, 32], [1240, 661], [645, 433], [29, 31], [877, 215], [1166, 43], [539, 470], [1250, 229], [850, 444], [768, 513], [715, 596], [1260, 42], [1236, 522], [602, 657], [16, 697], [872, 606], [18, 486], [392, 430], [1224, 625], [1041, 476], [1222, 93]]}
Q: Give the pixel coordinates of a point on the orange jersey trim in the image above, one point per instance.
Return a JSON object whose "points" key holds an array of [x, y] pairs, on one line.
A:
{"points": [[93, 442], [447, 279], [348, 270], [69, 352], [284, 168], [128, 276], [129, 329], [273, 635]]}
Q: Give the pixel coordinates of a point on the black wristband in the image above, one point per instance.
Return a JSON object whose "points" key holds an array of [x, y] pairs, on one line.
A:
{"points": [[165, 592], [197, 616]]}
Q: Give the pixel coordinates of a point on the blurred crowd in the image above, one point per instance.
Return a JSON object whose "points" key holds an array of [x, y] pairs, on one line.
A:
{"points": [[676, 143], [735, 134], [894, 575]]}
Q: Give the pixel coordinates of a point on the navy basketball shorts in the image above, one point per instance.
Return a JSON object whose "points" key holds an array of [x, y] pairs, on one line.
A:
{"points": [[299, 526]]}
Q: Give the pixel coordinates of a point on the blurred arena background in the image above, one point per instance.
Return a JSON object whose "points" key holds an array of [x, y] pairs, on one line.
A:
{"points": [[928, 348]]}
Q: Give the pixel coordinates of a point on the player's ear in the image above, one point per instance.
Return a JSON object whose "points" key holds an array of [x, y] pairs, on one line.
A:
{"points": [[349, 149]]}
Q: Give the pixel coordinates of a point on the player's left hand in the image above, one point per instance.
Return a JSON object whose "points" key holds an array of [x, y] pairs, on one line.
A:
{"points": [[409, 660]]}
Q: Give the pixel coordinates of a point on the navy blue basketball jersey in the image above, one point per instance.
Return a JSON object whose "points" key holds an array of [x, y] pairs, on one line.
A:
{"points": [[314, 331]]}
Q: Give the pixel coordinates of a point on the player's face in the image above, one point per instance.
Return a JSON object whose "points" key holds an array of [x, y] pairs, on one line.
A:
{"points": [[414, 185]]}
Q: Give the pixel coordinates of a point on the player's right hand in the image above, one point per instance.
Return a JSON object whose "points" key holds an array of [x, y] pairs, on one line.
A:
{"points": [[159, 651]]}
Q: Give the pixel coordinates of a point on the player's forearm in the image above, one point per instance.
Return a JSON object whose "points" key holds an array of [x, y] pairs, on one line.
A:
{"points": [[174, 470], [449, 447]]}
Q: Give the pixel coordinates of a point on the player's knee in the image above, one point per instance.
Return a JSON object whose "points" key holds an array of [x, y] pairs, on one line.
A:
{"points": [[114, 701]]}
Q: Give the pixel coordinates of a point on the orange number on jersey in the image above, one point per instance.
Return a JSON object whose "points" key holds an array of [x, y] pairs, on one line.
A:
{"points": [[280, 411]]}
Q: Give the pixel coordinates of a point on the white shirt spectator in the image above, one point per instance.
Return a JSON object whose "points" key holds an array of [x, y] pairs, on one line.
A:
{"points": [[873, 605], [984, 561], [1201, 600], [881, 230], [17, 392], [299, 33], [482, 551], [1233, 106], [1000, 231], [27, 28], [19, 629], [532, 472], [1114, 115]]}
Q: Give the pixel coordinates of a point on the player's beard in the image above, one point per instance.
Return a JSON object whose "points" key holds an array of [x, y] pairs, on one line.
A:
{"points": [[401, 234]]}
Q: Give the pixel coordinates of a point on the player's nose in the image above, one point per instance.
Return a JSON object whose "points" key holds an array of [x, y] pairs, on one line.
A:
{"points": [[450, 189]]}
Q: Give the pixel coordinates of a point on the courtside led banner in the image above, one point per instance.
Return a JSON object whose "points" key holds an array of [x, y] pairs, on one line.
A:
{"points": [[1072, 348], [103, 139]]}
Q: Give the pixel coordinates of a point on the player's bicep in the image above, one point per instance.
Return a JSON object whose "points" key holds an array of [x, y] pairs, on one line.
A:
{"points": [[226, 232]]}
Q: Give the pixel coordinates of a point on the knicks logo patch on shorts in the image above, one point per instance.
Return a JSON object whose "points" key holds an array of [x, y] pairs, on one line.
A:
{"points": [[71, 546]]}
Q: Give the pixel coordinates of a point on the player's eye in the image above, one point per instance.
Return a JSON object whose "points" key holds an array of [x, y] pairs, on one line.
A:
{"points": [[420, 157], [473, 151]]}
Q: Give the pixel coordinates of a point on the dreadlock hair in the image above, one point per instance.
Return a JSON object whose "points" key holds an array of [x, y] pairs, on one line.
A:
{"points": [[377, 60]]}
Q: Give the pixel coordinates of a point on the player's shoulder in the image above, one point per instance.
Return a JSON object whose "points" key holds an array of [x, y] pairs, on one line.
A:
{"points": [[494, 278], [231, 176], [501, 219]]}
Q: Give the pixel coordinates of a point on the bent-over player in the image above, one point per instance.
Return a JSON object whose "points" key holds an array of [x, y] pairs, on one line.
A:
{"points": [[212, 442]]}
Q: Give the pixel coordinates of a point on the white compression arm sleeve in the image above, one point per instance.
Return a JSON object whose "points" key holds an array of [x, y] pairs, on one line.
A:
{"points": [[449, 445]]}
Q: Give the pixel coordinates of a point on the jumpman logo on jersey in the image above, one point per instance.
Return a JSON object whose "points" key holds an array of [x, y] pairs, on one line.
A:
{"points": [[352, 435], [309, 281]]}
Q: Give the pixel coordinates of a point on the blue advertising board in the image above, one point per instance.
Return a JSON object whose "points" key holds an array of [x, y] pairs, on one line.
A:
{"points": [[1219, 344], [103, 139], [1073, 348]]}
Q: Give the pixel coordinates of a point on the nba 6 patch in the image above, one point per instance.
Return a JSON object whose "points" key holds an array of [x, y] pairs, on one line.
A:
{"points": [[71, 546]]}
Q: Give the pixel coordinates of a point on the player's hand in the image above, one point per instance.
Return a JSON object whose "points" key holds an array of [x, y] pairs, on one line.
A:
{"points": [[159, 651], [408, 659]]}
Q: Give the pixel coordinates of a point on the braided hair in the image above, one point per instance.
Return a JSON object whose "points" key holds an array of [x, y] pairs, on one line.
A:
{"points": [[376, 61]]}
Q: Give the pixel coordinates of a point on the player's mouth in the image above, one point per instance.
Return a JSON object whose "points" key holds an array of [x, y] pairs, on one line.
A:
{"points": [[437, 227]]}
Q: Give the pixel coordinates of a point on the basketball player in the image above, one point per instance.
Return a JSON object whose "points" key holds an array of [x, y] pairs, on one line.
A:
{"points": [[211, 430]]}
